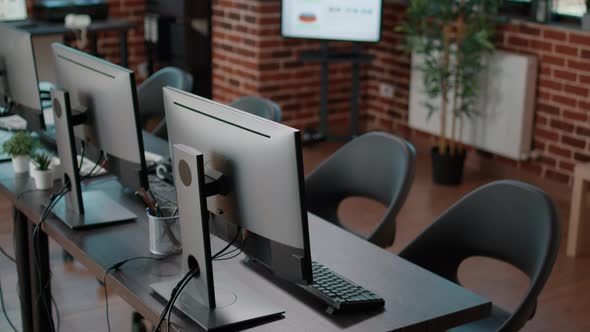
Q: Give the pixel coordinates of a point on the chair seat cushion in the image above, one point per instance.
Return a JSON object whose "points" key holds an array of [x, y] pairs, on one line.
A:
{"points": [[490, 324]]}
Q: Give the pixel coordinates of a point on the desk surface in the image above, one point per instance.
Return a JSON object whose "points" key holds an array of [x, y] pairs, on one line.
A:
{"points": [[416, 300], [51, 28]]}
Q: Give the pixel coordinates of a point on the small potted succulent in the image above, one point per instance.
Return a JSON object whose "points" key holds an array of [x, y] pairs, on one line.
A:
{"points": [[41, 172], [20, 146], [586, 17]]}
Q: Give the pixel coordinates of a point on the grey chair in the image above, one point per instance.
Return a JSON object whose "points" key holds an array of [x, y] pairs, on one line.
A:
{"points": [[506, 220], [149, 95], [375, 165], [262, 107]]}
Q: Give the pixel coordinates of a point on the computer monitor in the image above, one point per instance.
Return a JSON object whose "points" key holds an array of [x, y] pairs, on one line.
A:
{"points": [[263, 164], [343, 20], [19, 86], [100, 100]]}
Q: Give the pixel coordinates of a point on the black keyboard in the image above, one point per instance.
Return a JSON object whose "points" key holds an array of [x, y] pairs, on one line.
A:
{"points": [[164, 191], [340, 293]]}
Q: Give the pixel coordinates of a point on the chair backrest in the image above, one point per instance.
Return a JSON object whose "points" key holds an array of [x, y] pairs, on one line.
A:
{"points": [[259, 106], [375, 165], [149, 93], [507, 220]]}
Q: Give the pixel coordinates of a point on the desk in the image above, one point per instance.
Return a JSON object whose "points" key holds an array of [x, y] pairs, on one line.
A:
{"points": [[41, 28], [416, 300]]}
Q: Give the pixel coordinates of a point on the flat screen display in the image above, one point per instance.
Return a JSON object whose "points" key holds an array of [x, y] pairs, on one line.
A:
{"points": [[13, 10], [348, 20]]}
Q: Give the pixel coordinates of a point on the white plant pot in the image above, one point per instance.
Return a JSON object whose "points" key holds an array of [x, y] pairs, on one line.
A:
{"points": [[586, 22], [43, 179], [56, 168], [21, 164]]}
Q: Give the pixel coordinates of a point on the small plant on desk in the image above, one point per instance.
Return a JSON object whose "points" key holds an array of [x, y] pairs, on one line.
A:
{"points": [[41, 173], [20, 146]]}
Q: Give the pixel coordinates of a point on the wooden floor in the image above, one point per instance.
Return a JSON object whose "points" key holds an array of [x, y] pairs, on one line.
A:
{"points": [[563, 306]]}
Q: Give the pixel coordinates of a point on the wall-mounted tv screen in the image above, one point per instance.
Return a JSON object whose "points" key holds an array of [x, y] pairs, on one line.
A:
{"points": [[347, 20], [12, 10]]}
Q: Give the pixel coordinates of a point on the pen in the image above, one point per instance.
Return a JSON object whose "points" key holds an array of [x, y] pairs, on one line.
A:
{"points": [[146, 200]]}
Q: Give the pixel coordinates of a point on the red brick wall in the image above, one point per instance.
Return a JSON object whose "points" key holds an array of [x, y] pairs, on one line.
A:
{"points": [[562, 122], [251, 58], [391, 66], [108, 42], [562, 129]]}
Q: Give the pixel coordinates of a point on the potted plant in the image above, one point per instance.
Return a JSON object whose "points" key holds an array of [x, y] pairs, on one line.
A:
{"points": [[20, 146], [586, 17], [42, 173], [452, 37]]}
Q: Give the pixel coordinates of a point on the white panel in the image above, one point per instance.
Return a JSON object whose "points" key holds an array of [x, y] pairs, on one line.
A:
{"points": [[505, 106]]}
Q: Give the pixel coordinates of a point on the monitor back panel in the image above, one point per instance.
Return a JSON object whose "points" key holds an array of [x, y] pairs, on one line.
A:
{"points": [[261, 160], [107, 92], [16, 51]]}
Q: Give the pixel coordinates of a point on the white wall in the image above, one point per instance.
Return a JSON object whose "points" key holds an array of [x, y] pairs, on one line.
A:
{"points": [[504, 122]]}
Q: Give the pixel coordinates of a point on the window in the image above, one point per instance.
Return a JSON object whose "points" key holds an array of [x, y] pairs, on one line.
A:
{"points": [[569, 7], [562, 10]]}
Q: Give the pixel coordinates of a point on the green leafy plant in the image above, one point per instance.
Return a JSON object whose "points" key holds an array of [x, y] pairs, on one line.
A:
{"points": [[42, 161], [20, 144], [452, 36]]}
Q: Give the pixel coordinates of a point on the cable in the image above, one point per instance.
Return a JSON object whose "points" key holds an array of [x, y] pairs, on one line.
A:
{"points": [[225, 257], [4, 310], [37, 255], [220, 252], [117, 266], [22, 193], [195, 272], [53, 200], [176, 295], [93, 168], [82, 153], [167, 306], [175, 292], [98, 162], [7, 255], [57, 315]]}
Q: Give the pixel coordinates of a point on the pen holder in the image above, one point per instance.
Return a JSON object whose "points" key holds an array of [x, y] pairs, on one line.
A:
{"points": [[164, 232]]}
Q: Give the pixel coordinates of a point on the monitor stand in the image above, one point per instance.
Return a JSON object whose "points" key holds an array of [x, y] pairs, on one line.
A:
{"points": [[210, 306], [79, 209]]}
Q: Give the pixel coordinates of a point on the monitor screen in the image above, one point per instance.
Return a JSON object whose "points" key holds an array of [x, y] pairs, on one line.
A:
{"points": [[12, 10], [348, 20]]}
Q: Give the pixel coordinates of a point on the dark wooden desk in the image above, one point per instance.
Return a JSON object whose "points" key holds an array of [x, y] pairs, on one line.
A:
{"points": [[40, 28], [416, 300]]}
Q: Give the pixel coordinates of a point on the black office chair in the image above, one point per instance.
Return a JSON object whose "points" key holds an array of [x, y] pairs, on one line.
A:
{"points": [[262, 107], [506, 220], [375, 165], [150, 99]]}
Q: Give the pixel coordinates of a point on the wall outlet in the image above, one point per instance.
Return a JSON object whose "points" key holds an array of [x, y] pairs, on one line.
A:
{"points": [[386, 90]]}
